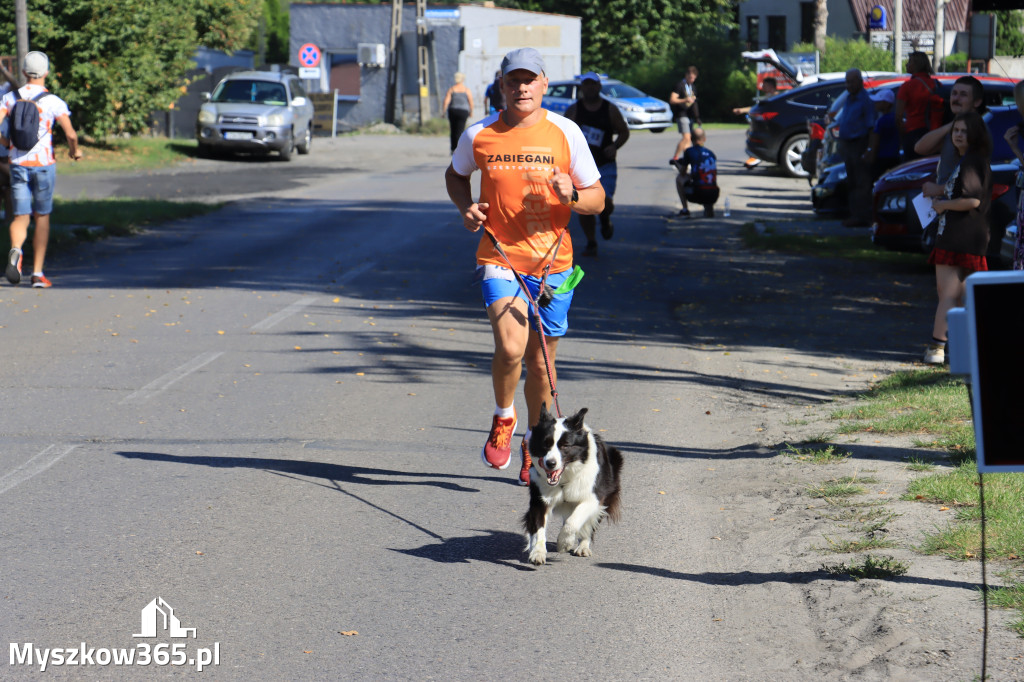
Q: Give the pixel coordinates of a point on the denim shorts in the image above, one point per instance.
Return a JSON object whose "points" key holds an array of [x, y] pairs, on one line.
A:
{"points": [[554, 317], [32, 188]]}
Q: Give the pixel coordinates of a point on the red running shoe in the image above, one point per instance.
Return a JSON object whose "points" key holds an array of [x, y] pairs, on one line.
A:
{"points": [[524, 473], [497, 452], [40, 282]]}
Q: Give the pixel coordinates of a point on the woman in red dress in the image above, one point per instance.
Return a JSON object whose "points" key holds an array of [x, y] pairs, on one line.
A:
{"points": [[963, 231]]}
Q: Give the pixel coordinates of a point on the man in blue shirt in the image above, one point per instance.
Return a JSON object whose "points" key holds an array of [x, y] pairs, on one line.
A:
{"points": [[856, 122]]}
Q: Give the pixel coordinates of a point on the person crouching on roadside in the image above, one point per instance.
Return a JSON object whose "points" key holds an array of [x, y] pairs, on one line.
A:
{"points": [[698, 176], [963, 232]]}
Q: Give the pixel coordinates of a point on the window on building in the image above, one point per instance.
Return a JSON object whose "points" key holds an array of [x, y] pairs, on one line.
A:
{"points": [[808, 10], [777, 33], [753, 33], [345, 74]]}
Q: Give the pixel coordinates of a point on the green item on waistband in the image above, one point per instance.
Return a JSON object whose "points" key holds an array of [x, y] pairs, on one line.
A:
{"points": [[571, 281]]}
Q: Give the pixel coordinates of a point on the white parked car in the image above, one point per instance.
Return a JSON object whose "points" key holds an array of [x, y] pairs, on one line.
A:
{"points": [[641, 111]]}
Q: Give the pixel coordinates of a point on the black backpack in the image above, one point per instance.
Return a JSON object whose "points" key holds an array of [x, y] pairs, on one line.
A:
{"points": [[25, 122]]}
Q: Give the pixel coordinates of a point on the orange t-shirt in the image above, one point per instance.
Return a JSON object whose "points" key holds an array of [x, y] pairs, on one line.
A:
{"points": [[516, 166]]}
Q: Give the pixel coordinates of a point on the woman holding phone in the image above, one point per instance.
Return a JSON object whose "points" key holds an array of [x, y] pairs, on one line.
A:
{"points": [[963, 231]]}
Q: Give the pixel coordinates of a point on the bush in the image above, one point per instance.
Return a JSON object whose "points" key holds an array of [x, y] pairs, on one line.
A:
{"points": [[955, 63], [725, 79], [841, 55]]}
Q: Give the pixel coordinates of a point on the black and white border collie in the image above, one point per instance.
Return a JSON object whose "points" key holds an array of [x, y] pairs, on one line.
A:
{"points": [[575, 474]]}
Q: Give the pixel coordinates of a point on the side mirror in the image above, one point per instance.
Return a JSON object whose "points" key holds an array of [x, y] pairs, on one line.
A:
{"points": [[299, 102], [205, 96]]}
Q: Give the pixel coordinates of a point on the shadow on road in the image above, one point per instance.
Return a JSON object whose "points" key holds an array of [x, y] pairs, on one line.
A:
{"points": [[336, 474], [493, 546], [793, 578]]}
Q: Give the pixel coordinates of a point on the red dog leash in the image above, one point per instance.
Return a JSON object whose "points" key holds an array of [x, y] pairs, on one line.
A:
{"points": [[543, 292]]}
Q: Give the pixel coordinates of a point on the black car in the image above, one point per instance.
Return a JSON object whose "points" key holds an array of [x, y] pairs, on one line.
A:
{"points": [[778, 125]]}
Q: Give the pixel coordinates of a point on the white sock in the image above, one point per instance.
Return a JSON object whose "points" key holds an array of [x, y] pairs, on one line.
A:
{"points": [[505, 412], [37, 274], [526, 436]]}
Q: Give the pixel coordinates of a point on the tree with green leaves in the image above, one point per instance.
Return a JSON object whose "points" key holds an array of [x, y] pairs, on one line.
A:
{"points": [[1010, 32], [116, 61], [618, 34]]}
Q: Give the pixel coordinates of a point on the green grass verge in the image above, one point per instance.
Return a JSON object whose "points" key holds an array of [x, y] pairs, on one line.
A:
{"points": [[137, 153], [929, 402], [848, 247], [89, 220], [935, 405]]}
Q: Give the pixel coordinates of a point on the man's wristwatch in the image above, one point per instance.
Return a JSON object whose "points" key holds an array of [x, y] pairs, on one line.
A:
{"points": [[575, 197]]}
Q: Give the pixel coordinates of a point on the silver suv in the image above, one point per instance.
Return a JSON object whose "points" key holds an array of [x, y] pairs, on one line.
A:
{"points": [[256, 111]]}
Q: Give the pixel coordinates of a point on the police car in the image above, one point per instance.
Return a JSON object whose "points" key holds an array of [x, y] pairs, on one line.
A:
{"points": [[641, 111]]}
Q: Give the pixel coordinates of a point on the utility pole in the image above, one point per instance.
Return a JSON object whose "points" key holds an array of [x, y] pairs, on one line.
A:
{"points": [[939, 50], [21, 33], [390, 105], [422, 60], [897, 35]]}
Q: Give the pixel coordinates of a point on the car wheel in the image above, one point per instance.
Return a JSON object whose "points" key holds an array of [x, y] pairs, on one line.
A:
{"points": [[307, 140], [286, 152], [658, 130], [789, 157]]}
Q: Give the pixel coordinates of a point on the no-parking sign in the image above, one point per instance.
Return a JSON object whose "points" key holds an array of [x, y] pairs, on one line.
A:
{"points": [[309, 55]]}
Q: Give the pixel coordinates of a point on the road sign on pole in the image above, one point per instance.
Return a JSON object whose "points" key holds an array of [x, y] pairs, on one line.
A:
{"points": [[309, 56]]}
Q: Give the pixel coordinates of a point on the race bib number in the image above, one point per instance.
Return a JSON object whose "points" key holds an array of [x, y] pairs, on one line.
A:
{"points": [[594, 135]]}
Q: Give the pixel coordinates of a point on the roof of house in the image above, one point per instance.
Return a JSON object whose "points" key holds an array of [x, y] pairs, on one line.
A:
{"points": [[918, 15]]}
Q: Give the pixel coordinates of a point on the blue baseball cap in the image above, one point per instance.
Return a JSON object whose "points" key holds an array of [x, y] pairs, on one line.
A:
{"points": [[590, 76]]}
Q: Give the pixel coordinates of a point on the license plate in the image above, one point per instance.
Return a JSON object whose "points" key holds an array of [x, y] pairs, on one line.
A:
{"points": [[237, 136]]}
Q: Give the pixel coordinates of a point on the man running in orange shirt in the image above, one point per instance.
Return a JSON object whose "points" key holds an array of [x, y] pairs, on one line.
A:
{"points": [[536, 168]]}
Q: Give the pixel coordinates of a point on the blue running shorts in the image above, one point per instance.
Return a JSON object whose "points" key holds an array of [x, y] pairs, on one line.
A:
{"points": [[498, 283]]}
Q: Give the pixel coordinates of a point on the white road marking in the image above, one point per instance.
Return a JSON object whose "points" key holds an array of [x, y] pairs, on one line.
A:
{"points": [[164, 382], [288, 311], [39, 463]]}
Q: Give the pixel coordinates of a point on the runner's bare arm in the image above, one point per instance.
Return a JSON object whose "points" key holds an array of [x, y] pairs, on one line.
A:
{"points": [[931, 143], [590, 200], [461, 193], [621, 132]]}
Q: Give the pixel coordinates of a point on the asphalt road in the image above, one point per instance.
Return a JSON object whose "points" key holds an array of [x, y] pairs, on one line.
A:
{"points": [[270, 417]]}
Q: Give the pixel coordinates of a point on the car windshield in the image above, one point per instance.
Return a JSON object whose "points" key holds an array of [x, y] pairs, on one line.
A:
{"points": [[621, 90], [258, 92]]}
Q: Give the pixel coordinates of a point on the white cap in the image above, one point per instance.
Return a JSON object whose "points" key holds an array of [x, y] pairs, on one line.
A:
{"points": [[887, 95], [36, 65]]}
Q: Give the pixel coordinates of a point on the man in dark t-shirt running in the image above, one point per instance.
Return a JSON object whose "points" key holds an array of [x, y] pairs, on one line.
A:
{"points": [[606, 130]]}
